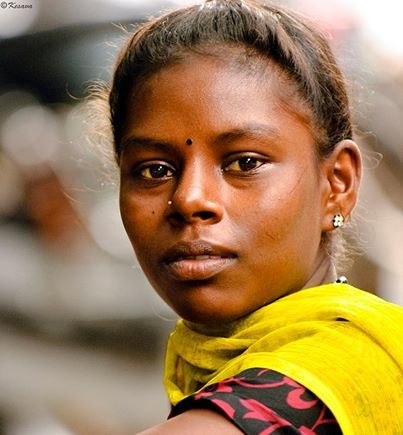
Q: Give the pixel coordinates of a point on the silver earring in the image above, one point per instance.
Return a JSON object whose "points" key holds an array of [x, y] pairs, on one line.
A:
{"points": [[338, 220]]}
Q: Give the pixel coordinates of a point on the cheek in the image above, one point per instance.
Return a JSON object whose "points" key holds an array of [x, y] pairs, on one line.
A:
{"points": [[139, 218], [299, 217], [285, 212]]}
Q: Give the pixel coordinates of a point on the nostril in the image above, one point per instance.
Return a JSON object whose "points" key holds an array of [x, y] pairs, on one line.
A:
{"points": [[177, 217], [204, 215]]}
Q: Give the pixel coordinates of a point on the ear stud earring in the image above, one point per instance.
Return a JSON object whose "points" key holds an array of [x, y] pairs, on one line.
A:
{"points": [[338, 221], [169, 202]]}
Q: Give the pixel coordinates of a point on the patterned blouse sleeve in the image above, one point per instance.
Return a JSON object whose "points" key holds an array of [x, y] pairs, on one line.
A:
{"points": [[262, 402]]}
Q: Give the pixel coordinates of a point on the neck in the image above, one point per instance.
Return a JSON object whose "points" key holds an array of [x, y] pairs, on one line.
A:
{"points": [[323, 272]]}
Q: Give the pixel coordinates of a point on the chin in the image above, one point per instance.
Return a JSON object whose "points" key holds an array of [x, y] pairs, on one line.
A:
{"points": [[210, 314], [206, 303]]}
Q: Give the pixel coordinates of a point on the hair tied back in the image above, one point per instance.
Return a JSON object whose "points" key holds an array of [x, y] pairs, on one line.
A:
{"points": [[222, 4]]}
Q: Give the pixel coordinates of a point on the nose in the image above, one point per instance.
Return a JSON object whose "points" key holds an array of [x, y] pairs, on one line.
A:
{"points": [[196, 199]]}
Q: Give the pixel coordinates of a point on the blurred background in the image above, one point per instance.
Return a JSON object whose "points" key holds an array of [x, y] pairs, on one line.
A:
{"points": [[81, 332]]}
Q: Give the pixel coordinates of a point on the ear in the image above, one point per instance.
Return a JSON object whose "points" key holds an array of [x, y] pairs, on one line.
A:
{"points": [[342, 171]]}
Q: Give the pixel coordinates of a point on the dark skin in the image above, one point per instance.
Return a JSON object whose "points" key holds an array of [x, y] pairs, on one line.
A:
{"points": [[235, 220]]}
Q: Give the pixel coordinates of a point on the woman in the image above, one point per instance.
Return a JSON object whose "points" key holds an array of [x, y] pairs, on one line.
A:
{"points": [[233, 136]]}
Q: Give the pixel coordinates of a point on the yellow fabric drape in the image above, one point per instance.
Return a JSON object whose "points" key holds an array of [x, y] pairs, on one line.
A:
{"points": [[343, 344]]}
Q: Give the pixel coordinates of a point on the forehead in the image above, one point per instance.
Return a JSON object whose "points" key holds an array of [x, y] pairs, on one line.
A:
{"points": [[201, 91]]}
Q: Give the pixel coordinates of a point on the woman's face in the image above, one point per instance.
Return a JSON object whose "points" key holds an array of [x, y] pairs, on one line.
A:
{"points": [[221, 193]]}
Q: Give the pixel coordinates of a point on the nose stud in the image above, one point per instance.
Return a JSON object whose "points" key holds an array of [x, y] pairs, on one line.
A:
{"points": [[169, 202]]}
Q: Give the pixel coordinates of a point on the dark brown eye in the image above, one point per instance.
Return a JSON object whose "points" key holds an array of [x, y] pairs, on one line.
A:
{"points": [[244, 164], [157, 170]]}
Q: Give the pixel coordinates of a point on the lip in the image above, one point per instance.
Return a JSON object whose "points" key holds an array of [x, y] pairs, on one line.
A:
{"points": [[197, 260]]}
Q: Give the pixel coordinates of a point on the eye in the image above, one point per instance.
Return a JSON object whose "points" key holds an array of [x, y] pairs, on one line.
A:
{"points": [[244, 164], [155, 171]]}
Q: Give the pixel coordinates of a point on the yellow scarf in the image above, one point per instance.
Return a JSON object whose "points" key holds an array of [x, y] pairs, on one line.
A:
{"points": [[343, 344]]}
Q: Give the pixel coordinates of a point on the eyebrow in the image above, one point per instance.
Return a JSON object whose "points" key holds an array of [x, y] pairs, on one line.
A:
{"points": [[148, 142], [245, 131]]}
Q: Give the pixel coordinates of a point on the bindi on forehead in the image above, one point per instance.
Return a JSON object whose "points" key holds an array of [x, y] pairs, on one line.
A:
{"points": [[189, 142]]}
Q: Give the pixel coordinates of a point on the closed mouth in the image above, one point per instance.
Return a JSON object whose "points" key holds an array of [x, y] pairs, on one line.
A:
{"points": [[196, 250], [196, 260], [202, 257]]}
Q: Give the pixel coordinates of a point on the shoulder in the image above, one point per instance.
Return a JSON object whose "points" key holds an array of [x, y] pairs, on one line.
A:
{"points": [[257, 400]]}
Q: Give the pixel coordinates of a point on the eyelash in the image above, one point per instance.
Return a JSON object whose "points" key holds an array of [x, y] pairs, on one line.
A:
{"points": [[259, 161], [168, 171], [140, 170]]}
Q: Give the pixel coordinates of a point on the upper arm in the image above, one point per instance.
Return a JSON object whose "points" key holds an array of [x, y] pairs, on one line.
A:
{"points": [[195, 422]]}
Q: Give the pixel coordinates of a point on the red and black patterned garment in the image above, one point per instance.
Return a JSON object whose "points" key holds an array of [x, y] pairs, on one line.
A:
{"points": [[262, 402]]}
